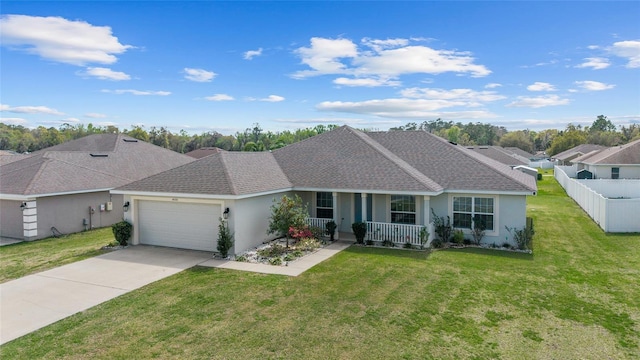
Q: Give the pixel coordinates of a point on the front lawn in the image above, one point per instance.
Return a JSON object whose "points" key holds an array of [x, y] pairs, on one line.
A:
{"points": [[26, 258], [576, 297]]}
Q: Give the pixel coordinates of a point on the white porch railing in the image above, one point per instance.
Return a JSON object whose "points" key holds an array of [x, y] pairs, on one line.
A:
{"points": [[398, 233], [319, 223]]}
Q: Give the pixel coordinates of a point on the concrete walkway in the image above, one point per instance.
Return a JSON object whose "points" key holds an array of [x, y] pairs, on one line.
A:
{"points": [[35, 301], [294, 268]]}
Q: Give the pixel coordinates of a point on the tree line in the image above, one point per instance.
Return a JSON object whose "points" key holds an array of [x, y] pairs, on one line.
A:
{"points": [[552, 141]]}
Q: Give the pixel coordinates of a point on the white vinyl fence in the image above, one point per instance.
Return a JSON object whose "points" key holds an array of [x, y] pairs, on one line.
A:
{"points": [[613, 204]]}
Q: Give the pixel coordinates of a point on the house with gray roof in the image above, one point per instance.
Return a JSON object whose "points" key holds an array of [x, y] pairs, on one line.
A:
{"points": [[394, 181], [502, 155], [616, 162], [65, 188], [566, 157]]}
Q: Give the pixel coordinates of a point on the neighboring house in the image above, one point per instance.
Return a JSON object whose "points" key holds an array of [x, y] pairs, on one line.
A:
{"points": [[616, 162], [66, 187], [500, 154], [566, 157], [202, 152], [391, 180], [522, 153]]}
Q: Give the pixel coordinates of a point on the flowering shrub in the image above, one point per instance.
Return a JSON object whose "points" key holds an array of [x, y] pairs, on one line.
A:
{"points": [[300, 232]]}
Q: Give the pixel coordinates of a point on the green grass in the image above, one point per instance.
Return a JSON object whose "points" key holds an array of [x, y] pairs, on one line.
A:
{"points": [[26, 258], [576, 297]]}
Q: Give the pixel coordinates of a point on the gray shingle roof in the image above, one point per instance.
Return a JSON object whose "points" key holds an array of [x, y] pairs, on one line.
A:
{"points": [[624, 155], [202, 152], [344, 159], [70, 167], [223, 173], [577, 151], [499, 154]]}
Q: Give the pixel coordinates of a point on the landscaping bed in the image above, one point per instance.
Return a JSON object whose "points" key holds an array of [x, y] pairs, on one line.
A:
{"points": [[277, 253]]}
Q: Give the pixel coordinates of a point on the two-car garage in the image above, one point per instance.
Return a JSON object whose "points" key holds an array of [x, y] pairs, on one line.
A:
{"points": [[185, 225]]}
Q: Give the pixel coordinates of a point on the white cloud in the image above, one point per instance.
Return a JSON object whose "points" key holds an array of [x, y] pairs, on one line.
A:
{"points": [[594, 85], [541, 86], [95, 115], [468, 96], [593, 47], [30, 110], [70, 120], [248, 55], [405, 108], [273, 98], [492, 85], [220, 97], [381, 59], [61, 40], [538, 102], [13, 121], [630, 50], [199, 75], [137, 92], [105, 74], [367, 82], [596, 63]]}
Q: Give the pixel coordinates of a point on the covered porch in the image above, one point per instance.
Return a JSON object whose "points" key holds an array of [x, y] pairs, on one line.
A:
{"points": [[400, 218]]}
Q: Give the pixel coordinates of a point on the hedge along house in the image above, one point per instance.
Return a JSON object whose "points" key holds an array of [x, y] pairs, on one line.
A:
{"points": [[391, 180], [66, 187]]}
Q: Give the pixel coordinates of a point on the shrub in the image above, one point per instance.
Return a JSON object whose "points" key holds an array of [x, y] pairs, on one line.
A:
{"points": [[369, 242], [122, 232], [524, 236], [479, 227], [407, 245], [289, 257], [241, 258], [360, 231], [331, 227], [225, 238], [275, 261], [388, 243], [443, 228], [424, 237], [272, 251], [307, 244], [458, 237]]}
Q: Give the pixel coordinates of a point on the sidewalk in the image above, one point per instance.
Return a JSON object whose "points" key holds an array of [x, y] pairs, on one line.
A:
{"points": [[293, 268]]}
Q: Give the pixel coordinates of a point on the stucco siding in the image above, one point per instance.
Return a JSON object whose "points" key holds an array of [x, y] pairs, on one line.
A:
{"points": [[512, 212], [249, 219], [11, 225], [66, 212]]}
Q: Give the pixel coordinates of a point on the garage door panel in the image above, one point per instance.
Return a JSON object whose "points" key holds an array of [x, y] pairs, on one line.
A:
{"points": [[180, 225]]}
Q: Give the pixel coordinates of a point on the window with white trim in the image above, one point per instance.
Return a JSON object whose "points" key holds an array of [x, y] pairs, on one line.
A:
{"points": [[403, 209], [324, 205], [615, 173], [465, 208]]}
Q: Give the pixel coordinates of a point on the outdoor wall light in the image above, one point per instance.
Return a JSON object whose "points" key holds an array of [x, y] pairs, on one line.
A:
{"points": [[23, 206], [225, 214], [125, 207]]}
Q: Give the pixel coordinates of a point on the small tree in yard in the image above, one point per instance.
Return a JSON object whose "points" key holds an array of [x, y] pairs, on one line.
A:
{"points": [[225, 238], [287, 213], [442, 228]]}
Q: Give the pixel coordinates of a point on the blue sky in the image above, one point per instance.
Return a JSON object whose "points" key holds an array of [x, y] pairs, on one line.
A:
{"points": [[222, 66]]}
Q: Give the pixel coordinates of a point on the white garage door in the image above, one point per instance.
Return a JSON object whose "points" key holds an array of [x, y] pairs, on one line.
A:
{"points": [[179, 225]]}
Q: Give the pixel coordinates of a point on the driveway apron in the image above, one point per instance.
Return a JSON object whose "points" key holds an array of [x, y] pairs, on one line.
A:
{"points": [[34, 301]]}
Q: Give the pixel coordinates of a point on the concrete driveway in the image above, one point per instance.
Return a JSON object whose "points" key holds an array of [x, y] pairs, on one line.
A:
{"points": [[34, 301]]}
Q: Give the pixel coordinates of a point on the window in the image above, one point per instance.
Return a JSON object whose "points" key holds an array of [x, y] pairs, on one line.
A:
{"points": [[466, 208], [403, 209], [615, 173], [324, 205]]}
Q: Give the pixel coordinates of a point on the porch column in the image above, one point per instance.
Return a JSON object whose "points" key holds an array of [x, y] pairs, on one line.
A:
{"points": [[363, 205], [334, 203], [426, 210]]}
